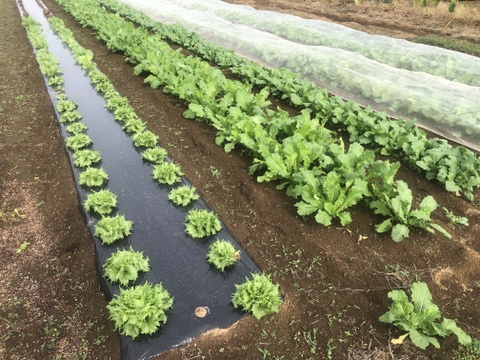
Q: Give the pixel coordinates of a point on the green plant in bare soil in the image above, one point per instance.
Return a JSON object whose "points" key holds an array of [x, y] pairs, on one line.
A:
{"points": [[418, 317], [455, 219], [110, 229], [395, 203], [222, 254]]}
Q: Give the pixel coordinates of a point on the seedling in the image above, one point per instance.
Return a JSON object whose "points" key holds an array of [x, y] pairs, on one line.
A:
{"points": [[23, 247], [455, 219]]}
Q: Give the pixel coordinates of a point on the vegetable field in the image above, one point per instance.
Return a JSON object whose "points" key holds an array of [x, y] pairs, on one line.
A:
{"points": [[351, 215]]}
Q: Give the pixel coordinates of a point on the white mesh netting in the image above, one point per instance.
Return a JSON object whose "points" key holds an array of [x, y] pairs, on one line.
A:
{"points": [[438, 87]]}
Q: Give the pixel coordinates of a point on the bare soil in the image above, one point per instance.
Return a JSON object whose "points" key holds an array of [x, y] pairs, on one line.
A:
{"points": [[335, 280]]}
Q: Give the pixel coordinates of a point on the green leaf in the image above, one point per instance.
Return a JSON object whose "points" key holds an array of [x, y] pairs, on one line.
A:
{"points": [[451, 186], [428, 204], [421, 296], [384, 226], [92, 177], [296, 100], [441, 230], [102, 202], [421, 340], [399, 232], [304, 209], [323, 218], [450, 326]]}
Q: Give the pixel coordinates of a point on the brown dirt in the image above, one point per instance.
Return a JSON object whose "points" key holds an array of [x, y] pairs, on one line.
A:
{"points": [[335, 280], [397, 18]]}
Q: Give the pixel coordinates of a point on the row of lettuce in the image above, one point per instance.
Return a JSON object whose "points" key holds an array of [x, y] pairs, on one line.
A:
{"points": [[305, 158], [258, 295]]}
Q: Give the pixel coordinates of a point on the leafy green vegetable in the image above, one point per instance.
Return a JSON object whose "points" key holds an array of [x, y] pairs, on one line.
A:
{"points": [[155, 155], [167, 173], [201, 223], [78, 141], [123, 266], [145, 139], [134, 126], [76, 128], [455, 219], [70, 116], [140, 309], [64, 105], [86, 157], [397, 206], [259, 296], [330, 199], [93, 177], [419, 317], [126, 113], [102, 202], [222, 254], [110, 229], [183, 195]]}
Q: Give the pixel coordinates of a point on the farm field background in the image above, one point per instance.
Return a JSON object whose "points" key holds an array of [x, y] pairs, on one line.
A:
{"points": [[335, 280]]}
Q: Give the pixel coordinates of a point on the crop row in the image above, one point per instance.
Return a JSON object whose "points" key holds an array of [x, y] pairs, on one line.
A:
{"points": [[298, 152], [456, 167], [123, 266], [397, 53], [442, 105]]}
